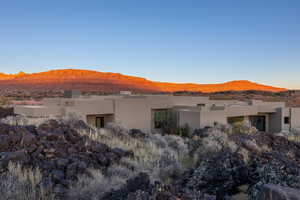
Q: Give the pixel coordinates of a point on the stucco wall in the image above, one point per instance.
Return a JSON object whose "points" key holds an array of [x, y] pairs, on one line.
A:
{"points": [[276, 121], [295, 118], [190, 118], [133, 113], [209, 117], [93, 107], [39, 111], [235, 111]]}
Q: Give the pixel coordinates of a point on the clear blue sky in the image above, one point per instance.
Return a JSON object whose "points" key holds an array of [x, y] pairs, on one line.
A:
{"points": [[202, 41]]}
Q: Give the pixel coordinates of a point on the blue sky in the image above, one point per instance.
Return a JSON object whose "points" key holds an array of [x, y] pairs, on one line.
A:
{"points": [[201, 41]]}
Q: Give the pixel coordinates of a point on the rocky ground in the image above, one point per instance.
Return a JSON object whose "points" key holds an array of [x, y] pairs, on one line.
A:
{"points": [[76, 162]]}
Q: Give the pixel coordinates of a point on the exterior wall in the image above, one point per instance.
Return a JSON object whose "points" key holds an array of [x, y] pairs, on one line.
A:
{"points": [[133, 114], [38, 111], [136, 111], [86, 107], [295, 118], [90, 107], [208, 117], [276, 121], [235, 111], [190, 118], [263, 103]]}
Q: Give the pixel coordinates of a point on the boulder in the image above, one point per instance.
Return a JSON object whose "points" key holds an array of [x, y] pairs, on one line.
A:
{"points": [[251, 146], [276, 192], [28, 140], [13, 156], [57, 175], [61, 163], [4, 142]]}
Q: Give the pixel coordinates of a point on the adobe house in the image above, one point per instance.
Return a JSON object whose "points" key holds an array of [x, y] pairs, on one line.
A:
{"points": [[148, 112]]}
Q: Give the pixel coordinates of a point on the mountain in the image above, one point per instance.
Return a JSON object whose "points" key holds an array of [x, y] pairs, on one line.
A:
{"points": [[87, 80]]}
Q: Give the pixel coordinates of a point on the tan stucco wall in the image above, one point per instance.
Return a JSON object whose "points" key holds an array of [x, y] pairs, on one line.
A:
{"points": [[208, 117], [133, 114], [276, 121], [136, 111], [38, 111], [295, 118], [190, 118], [235, 111]]}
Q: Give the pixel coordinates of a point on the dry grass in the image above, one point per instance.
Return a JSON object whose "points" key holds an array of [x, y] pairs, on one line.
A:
{"points": [[20, 184], [3, 101], [152, 155], [92, 188], [162, 157]]}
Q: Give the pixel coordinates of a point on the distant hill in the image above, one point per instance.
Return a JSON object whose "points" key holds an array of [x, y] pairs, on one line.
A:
{"points": [[87, 80]]}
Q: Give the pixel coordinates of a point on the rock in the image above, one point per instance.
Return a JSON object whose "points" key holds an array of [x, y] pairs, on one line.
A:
{"points": [[60, 192], [122, 153], [137, 133], [60, 152], [77, 167], [251, 146], [99, 147], [61, 163], [140, 182], [201, 132], [13, 156], [55, 136], [276, 192], [28, 140], [57, 175], [4, 142], [46, 185], [220, 175]]}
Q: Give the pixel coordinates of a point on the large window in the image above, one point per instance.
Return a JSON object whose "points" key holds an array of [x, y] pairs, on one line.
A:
{"points": [[259, 122], [100, 122], [164, 118]]}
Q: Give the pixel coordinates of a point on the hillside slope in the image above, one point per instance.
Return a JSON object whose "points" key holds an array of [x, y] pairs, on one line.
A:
{"points": [[88, 80]]}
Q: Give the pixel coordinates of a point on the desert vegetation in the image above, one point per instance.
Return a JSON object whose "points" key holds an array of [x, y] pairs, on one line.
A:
{"points": [[67, 159]]}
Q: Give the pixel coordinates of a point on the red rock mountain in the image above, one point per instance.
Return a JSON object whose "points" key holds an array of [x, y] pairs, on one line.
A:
{"points": [[87, 80]]}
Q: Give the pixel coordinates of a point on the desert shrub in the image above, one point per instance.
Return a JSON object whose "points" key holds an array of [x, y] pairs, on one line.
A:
{"points": [[71, 118], [95, 186], [16, 120], [213, 140], [3, 101], [292, 135], [243, 128], [171, 129], [153, 153], [21, 184]]}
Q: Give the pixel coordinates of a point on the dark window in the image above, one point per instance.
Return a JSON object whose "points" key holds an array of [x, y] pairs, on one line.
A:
{"points": [[164, 118], [286, 120], [100, 122], [235, 120], [259, 122], [160, 118]]}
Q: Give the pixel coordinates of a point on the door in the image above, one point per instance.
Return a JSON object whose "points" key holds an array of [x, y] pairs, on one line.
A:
{"points": [[100, 122]]}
